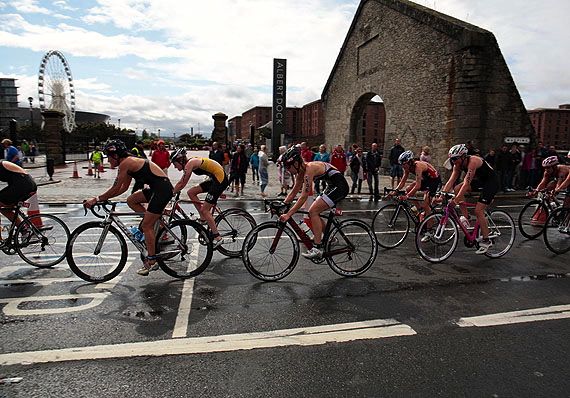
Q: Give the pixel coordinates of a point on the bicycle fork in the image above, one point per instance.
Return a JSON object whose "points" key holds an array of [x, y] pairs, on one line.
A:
{"points": [[102, 238]]}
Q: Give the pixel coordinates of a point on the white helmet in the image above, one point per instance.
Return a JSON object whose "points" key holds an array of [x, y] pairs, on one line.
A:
{"points": [[568, 156], [406, 156], [550, 161], [457, 151]]}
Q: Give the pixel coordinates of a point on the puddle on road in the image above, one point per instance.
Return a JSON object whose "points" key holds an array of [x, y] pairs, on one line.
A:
{"points": [[530, 278]]}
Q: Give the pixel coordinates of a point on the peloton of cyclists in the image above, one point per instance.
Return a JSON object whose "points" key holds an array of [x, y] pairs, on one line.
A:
{"points": [[157, 195], [214, 186], [556, 176], [305, 173], [479, 174], [427, 180]]}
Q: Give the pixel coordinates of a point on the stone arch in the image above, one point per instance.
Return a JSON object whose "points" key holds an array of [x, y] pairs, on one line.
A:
{"points": [[356, 128], [442, 80]]}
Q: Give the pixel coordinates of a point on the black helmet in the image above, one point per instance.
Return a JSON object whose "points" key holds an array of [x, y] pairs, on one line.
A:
{"points": [[291, 156], [180, 152], [118, 147]]}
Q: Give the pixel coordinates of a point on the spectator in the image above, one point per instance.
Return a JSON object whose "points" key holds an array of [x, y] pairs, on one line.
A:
{"points": [[357, 170], [471, 150], [396, 170], [263, 172], [517, 156], [161, 157], [306, 152], [372, 163], [11, 152], [528, 169], [425, 155], [338, 159], [491, 158], [238, 169], [254, 161], [504, 163], [217, 153], [97, 159], [227, 160], [33, 152], [321, 156], [284, 174], [25, 150]]}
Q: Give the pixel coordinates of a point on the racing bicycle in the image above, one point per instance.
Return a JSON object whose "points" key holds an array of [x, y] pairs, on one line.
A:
{"points": [[533, 216], [97, 250], [437, 234], [271, 249]]}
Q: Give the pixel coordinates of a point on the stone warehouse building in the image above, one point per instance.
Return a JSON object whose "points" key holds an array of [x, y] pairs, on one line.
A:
{"points": [[443, 81]]}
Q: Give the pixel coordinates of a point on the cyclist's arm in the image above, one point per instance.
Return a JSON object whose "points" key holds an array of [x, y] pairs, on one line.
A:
{"points": [[454, 176], [544, 182], [563, 184], [296, 188], [120, 185], [413, 188], [186, 174], [471, 167], [307, 182], [403, 180]]}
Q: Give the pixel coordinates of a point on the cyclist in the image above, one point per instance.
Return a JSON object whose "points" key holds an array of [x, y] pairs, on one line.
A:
{"points": [[427, 180], [157, 195], [20, 187], [478, 174], [558, 174], [306, 173], [214, 186]]}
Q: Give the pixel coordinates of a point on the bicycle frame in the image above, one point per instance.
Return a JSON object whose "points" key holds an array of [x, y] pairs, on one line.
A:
{"points": [[450, 212], [307, 241], [17, 214]]}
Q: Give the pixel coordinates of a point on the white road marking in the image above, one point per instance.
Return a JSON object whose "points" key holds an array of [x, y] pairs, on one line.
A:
{"points": [[318, 335], [11, 307], [507, 318], [181, 324]]}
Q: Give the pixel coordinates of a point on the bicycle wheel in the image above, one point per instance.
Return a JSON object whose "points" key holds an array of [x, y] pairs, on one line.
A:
{"points": [[264, 261], [502, 233], [189, 249], [351, 248], [233, 225], [436, 238], [391, 224], [41, 240], [557, 231], [532, 219], [103, 265]]}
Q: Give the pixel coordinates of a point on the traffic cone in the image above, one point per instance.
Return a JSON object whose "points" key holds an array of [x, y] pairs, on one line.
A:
{"points": [[33, 209], [75, 172], [539, 217], [90, 170]]}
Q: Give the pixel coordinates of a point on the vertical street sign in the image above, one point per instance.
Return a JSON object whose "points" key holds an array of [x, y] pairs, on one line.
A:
{"points": [[279, 112]]}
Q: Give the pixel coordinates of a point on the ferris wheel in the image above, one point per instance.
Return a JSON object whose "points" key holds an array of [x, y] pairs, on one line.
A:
{"points": [[55, 87]]}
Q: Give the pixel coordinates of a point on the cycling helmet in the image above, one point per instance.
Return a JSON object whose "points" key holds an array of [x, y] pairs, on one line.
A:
{"points": [[550, 161], [457, 151], [118, 147], [291, 156], [180, 152], [568, 156], [406, 156]]}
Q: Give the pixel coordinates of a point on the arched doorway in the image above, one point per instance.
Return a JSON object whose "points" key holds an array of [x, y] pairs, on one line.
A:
{"points": [[368, 122]]}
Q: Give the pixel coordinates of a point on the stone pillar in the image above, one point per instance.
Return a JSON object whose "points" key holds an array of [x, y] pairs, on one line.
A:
{"points": [[52, 131], [220, 131]]}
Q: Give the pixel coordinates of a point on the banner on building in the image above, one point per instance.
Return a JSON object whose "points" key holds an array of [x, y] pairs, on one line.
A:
{"points": [[279, 114]]}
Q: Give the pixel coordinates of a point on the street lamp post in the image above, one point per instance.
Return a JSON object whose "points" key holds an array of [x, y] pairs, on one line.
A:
{"points": [[30, 99], [158, 133], [119, 124]]}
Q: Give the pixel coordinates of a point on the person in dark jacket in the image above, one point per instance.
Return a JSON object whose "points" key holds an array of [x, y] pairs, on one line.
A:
{"points": [[238, 169], [396, 170], [357, 169], [217, 153], [372, 163], [503, 162]]}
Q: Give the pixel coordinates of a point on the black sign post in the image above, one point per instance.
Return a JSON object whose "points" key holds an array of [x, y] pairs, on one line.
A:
{"points": [[279, 114]]}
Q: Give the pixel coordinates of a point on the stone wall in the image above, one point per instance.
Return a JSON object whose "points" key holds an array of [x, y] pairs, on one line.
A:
{"points": [[442, 80]]}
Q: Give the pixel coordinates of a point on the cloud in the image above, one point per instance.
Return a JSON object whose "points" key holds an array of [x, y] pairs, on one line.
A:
{"points": [[15, 31]]}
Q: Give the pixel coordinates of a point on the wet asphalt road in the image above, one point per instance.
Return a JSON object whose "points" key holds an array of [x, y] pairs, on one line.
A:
{"points": [[431, 356]]}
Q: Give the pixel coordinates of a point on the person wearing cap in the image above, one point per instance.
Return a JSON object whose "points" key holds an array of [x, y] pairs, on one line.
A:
{"points": [[214, 186], [161, 157], [478, 174], [157, 195], [97, 159], [11, 153]]}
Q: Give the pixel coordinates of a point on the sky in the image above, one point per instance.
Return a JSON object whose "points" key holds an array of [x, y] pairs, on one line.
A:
{"points": [[172, 64]]}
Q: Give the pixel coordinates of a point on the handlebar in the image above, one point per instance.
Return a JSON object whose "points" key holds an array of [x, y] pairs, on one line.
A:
{"points": [[96, 208]]}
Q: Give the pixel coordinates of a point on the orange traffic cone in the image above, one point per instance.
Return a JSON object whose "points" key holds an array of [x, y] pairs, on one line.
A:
{"points": [[75, 172], [35, 209], [539, 217], [90, 170]]}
